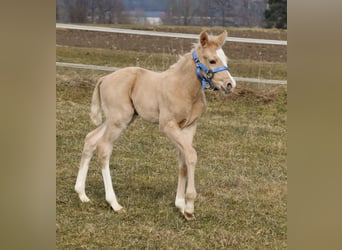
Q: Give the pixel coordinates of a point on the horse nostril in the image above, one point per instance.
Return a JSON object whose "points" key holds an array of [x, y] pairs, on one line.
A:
{"points": [[229, 86]]}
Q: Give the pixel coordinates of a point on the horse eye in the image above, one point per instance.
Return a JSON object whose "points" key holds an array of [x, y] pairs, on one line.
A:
{"points": [[212, 62]]}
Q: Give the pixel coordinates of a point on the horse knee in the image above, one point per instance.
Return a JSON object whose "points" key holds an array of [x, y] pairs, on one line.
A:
{"points": [[89, 145], [191, 157], [191, 195], [87, 151], [104, 151], [91, 140], [166, 127], [183, 170]]}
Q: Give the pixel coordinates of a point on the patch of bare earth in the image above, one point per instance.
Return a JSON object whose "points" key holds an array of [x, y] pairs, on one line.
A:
{"points": [[152, 44]]}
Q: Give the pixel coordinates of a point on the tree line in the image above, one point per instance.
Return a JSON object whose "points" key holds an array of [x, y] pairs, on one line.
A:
{"points": [[265, 13]]}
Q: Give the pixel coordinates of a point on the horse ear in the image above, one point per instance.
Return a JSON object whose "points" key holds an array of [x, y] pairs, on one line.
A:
{"points": [[222, 38], [204, 38]]}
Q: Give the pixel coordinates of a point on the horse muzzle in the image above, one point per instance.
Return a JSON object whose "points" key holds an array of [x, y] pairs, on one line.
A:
{"points": [[227, 87]]}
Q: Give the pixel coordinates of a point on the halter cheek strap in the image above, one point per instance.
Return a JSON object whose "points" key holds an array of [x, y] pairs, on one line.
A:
{"points": [[209, 73]]}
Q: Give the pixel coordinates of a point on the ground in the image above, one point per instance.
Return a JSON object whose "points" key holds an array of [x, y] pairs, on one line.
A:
{"points": [[114, 41]]}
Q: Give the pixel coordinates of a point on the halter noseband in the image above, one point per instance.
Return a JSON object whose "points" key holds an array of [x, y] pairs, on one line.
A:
{"points": [[209, 73]]}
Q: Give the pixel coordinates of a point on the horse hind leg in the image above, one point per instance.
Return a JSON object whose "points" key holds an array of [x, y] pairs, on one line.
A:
{"points": [[90, 144], [105, 148]]}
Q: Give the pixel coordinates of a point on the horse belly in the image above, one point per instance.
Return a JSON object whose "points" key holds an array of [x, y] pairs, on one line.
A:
{"points": [[147, 111], [146, 105]]}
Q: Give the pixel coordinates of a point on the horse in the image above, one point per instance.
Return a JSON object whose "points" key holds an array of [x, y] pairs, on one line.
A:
{"points": [[174, 99]]}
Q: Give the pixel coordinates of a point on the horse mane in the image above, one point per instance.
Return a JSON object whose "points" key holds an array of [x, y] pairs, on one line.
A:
{"points": [[182, 58], [181, 61]]}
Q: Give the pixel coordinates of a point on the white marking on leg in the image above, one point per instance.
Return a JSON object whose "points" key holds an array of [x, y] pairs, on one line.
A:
{"points": [[180, 196], [89, 147], [190, 195], [81, 179], [180, 203], [110, 195]]}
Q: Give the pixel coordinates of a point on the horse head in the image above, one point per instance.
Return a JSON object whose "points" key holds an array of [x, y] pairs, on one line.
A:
{"points": [[212, 56]]}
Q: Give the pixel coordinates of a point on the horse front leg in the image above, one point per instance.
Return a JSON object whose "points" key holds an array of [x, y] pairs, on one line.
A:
{"points": [[183, 140], [182, 175], [190, 194]]}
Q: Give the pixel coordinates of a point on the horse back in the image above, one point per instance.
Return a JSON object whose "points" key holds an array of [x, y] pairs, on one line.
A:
{"points": [[152, 95]]}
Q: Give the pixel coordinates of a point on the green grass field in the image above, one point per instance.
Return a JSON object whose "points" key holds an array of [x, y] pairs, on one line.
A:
{"points": [[241, 175]]}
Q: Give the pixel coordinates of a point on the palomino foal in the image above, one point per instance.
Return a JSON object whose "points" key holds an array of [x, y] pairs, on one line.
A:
{"points": [[174, 99]]}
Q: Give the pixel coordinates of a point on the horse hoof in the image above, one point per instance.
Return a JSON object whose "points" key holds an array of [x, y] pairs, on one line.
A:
{"points": [[189, 216], [121, 211], [84, 198]]}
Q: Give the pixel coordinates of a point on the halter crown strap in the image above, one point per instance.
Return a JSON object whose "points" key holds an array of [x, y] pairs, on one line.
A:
{"points": [[208, 72]]}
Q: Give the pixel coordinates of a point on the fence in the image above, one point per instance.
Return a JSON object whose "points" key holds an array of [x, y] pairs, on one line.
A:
{"points": [[165, 34]]}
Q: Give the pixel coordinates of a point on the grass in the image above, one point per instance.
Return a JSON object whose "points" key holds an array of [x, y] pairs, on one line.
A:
{"points": [[116, 58], [240, 177], [162, 61]]}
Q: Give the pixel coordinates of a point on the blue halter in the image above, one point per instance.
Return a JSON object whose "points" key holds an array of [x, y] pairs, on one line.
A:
{"points": [[209, 73]]}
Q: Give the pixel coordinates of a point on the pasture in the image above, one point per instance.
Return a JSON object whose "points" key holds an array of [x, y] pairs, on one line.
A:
{"points": [[241, 175]]}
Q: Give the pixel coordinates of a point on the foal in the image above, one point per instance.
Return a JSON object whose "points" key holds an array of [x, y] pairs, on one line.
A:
{"points": [[173, 98]]}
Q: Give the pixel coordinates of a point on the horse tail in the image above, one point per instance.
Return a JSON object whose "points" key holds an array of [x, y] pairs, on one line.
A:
{"points": [[95, 110]]}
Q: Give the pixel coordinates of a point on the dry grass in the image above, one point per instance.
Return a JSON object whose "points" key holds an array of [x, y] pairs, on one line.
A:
{"points": [[162, 61], [165, 45], [241, 144], [241, 175]]}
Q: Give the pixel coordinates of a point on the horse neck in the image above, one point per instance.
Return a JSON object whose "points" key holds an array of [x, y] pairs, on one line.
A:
{"points": [[185, 69]]}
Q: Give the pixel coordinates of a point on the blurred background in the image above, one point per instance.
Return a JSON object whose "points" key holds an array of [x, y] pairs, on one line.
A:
{"points": [[247, 13]]}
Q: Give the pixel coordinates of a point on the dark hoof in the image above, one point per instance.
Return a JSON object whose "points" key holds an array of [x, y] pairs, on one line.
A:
{"points": [[189, 216]]}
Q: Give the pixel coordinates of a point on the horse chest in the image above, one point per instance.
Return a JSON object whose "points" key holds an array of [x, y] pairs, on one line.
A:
{"points": [[191, 114]]}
